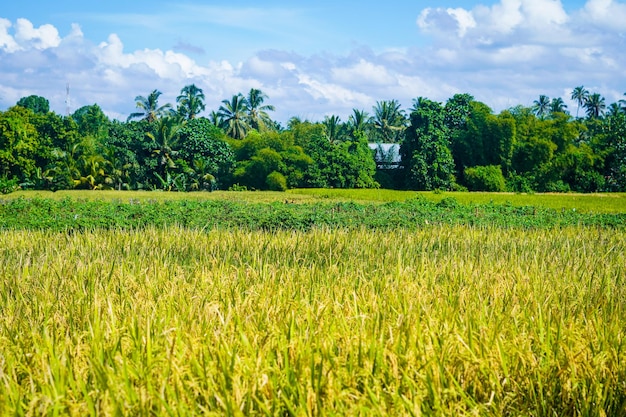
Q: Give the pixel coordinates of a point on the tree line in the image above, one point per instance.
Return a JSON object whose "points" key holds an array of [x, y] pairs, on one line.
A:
{"points": [[457, 145]]}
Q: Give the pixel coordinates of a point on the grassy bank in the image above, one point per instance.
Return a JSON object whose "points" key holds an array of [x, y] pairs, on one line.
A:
{"points": [[72, 214], [587, 203]]}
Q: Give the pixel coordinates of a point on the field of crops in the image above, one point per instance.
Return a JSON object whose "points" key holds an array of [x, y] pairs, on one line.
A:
{"points": [[448, 318]]}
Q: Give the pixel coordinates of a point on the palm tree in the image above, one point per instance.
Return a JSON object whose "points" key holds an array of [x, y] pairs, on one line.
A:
{"points": [[149, 108], [215, 118], [558, 106], [595, 105], [93, 174], [359, 121], [164, 141], [541, 107], [190, 101], [614, 109], [234, 117], [418, 102], [389, 120], [580, 94], [257, 112], [622, 103], [332, 126]]}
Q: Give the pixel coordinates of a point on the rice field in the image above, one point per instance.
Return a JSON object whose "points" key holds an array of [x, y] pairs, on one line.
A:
{"points": [[441, 321]]}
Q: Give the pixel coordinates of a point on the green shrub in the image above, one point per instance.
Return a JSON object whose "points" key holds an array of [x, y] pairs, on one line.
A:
{"points": [[518, 184], [485, 178], [8, 185], [557, 187], [276, 181]]}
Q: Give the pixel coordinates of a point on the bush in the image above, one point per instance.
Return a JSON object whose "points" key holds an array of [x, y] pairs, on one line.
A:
{"points": [[518, 184], [276, 181], [557, 187], [485, 178], [8, 185]]}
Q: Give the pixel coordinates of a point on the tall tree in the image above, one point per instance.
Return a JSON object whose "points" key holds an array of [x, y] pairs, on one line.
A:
{"points": [[20, 143], [38, 104], [190, 101], [258, 118], [614, 108], [215, 118], [425, 151], [205, 151], [541, 107], [359, 121], [595, 106], [389, 121], [557, 105], [91, 121], [332, 125], [164, 141], [234, 118], [149, 108], [579, 95]]}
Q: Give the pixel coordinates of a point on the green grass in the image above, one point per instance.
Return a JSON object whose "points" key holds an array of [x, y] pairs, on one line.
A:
{"points": [[251, 214], [586, 203], [596, 203], [160, 196], [448, 320]]}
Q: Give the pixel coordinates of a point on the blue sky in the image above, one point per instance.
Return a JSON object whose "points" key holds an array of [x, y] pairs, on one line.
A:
{"points": [[313, 58]]}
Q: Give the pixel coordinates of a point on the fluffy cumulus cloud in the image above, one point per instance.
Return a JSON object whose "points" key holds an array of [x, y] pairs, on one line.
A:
{"points": [[508, 20], [504, 54], [606, 13], [536, 45]]}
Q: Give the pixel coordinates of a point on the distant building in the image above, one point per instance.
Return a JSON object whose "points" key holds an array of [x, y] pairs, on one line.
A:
{"points": [[386, 155]]}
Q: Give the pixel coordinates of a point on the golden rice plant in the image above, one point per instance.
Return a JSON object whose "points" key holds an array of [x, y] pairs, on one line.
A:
{"points": [[444, 321]]}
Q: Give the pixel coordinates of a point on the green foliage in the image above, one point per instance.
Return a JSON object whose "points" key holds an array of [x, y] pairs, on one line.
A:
{"points": [[72, 214], [276, 181], [549, 152], [149, 109], [8, 186], [20, 147], [206, 153], [190, 102], [254, 172], [485, 178], [425, 151], [37, 104], [91, 121], [484, 139], [233, 117], [389, 121]]}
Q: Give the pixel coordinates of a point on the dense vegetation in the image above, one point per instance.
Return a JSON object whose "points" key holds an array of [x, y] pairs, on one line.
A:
{"points": [[457, 145], [69, 214]]}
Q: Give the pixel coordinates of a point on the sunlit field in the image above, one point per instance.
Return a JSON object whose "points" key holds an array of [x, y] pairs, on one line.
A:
{"points": [[595, 203], [445, 321]]}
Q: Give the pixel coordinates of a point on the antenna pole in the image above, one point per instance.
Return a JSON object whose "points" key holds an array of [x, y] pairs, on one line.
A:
{"points": [[67, 99]]}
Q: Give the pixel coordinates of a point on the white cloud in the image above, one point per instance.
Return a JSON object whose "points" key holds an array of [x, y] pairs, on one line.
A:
{"points": [[606, 13], [503, 54], [7, 42], [333, 95], [363, 73], [26, 35], [539, 19]]}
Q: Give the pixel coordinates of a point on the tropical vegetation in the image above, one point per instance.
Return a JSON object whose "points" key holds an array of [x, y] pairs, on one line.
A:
{"points": [[457, 145]]}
